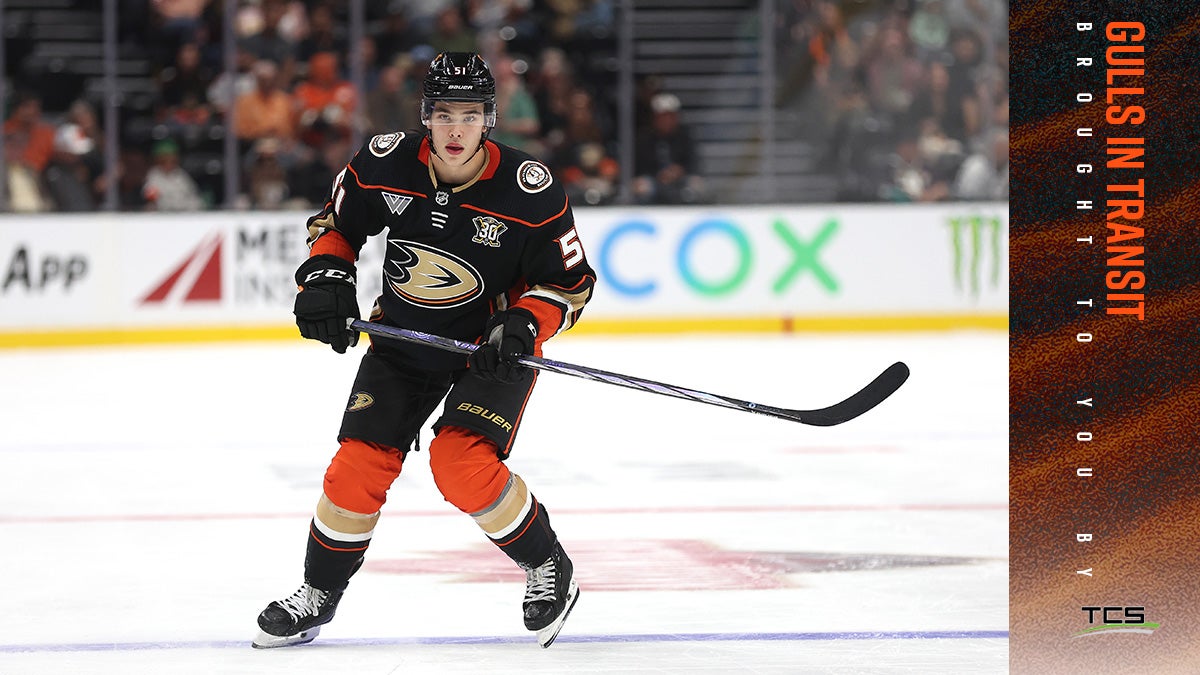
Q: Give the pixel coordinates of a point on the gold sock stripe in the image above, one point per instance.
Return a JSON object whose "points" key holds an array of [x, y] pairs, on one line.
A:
{"points": [[508, 511], [342, 536]]}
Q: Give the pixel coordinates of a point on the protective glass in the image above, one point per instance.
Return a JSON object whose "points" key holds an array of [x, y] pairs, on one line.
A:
{"points": [[434, 115]]}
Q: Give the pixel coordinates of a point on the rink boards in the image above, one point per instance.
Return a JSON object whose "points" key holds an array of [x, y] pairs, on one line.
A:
{"points": [[101, 278]]}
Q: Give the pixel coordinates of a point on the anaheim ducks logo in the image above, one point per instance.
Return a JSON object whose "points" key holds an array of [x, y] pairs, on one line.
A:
{"points": [[429, 277], [360, 400]]}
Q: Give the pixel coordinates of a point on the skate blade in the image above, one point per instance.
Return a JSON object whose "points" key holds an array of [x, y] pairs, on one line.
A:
{"points": [[265, 640], [545, 636]]}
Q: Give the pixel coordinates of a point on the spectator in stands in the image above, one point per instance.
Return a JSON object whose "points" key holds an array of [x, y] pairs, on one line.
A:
{"points": [[325, 104], [939, 152], [988, 88], [512, 21], [28, 139], [310, 181], [955, 112], [579, 128], [516, 112], [225, 90], [132, 168], [393, 105], [168, 187], [268, 42], [28, 146], [1000, 114], [420, 15], [73, 176], [451, 33], [398, 37], [178, 20], [851, 81], [966, 74], [892, 73], [590, 176], [911, 179], [188, 75], [665, 163], [578, 20], [370, 63], [817, 54], [69, 179], [267, 111], [988, 17], [421, 56], [322, 35], [929, 28], [188, 120], [984, 175], [551, 84], [854, 144], [266, 177], [82, 115]]}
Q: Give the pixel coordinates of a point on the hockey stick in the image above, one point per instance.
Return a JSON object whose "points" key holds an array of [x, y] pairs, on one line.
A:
{"points": [[843, 411]]}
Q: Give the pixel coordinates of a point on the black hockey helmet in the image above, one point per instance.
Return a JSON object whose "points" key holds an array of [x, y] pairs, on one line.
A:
{"points": [[460, 77]]}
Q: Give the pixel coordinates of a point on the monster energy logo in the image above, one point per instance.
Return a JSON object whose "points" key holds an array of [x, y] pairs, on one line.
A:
{"points": [[969, 273]]}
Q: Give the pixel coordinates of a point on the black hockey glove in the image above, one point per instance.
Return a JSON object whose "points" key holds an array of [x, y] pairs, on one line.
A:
{"points": [[508, 334], [326, 300]]}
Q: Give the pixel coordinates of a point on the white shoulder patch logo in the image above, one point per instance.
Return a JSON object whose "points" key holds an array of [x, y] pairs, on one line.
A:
{"points": [[385, 143], [533, 176]]}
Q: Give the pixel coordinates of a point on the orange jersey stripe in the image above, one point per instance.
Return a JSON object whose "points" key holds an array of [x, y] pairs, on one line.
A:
{"points": [[513, 218], [383, 187]]}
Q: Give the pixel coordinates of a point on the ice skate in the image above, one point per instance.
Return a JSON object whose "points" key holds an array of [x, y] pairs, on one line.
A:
{"points": [[296, 619], [550, 594]]}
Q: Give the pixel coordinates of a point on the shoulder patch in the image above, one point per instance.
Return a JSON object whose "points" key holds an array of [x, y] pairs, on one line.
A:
{"points": [[533, 176], [385, 143]]}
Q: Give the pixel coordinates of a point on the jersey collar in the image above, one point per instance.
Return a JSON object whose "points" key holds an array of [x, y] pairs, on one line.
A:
{"points": [[489, 169]]}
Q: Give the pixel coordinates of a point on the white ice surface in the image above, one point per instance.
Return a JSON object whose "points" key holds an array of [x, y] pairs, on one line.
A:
{"points": [[154, 498]]}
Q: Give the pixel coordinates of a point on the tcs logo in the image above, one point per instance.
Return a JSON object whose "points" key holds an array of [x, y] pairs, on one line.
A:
{"points": [[803, 256]]}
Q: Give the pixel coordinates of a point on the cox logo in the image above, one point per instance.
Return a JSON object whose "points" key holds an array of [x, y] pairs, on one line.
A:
{"points": [[803, 255]]}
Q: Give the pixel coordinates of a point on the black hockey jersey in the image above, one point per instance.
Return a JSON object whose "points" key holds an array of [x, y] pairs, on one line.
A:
{"points": [[456, 254]]}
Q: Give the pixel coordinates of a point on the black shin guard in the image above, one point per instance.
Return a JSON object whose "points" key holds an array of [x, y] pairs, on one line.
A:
{"points": [[329, 563]]}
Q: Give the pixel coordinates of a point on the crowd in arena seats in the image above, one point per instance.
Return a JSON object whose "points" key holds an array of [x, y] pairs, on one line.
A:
{"points": [[298, 115], [908, 104], [907, 100]]}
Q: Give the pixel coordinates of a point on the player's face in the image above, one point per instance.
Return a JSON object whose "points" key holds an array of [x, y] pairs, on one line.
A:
{"points": [[456, 130]]}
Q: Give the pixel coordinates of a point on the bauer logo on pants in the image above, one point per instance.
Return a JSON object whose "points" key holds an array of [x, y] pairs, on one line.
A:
{"points": [[486, 414]]}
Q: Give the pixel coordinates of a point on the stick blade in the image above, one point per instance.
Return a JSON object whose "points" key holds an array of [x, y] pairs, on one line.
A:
{"points": [[866, 398]]}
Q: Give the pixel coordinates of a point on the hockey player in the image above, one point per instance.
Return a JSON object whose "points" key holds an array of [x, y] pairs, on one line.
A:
{"points": [[481, 246]]}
